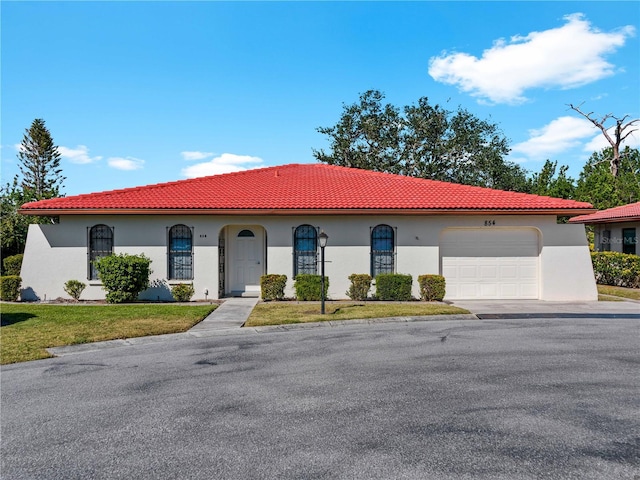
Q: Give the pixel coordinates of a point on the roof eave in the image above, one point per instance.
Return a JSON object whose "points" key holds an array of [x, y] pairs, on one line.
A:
{"points": [[587, 221], [305, 211]]}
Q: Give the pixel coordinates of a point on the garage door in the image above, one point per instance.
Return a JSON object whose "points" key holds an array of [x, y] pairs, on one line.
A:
{"points": [[491, 263]]}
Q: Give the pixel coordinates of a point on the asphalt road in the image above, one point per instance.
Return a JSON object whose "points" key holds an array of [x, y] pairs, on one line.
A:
{"points": [[497, 399]]}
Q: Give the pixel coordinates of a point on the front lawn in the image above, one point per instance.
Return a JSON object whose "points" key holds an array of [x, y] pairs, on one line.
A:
{"points": [[27, 329], [277, 313], [632, 293]]}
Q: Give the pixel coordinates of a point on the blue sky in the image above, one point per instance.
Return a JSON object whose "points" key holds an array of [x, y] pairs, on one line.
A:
{"points": [[144, 92]]}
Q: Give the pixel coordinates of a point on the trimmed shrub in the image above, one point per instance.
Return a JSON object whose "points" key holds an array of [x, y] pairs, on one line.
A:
{"points": [[123, 276], [394, 287], [10, 288], [74, 289], [360, 285], [12, 265], [432, 287], [615, 268], [307, 287], [183, 292], [272, 287]]}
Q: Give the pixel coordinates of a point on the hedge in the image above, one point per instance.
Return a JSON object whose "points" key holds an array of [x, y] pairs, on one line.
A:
{"points": [[182, 292], [12, 265], [615, 268], [432, 287], [307, 286], [124, 276], [272, 286], [360, 285], [393, 287], [10, 288]]}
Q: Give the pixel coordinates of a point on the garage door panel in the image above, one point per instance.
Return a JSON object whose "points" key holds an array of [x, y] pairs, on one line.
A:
{"points": [[491, 264], [508, 272], [529, 291], [468, 271], [509, 290], [488, 272], [487, 290], [529, 272]]}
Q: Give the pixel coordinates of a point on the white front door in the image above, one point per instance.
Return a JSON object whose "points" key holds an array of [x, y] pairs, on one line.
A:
{"points": [[492, 263], [246, 259]]}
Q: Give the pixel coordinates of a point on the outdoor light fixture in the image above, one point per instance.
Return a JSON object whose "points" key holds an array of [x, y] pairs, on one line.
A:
{"points": [[323, 237]]}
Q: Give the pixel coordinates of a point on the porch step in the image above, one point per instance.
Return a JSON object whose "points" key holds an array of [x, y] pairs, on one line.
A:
{"points": [[245, 294]]}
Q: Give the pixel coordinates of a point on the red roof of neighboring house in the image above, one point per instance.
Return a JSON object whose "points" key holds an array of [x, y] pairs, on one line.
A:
{"points": [[308, 188], [625, 213]]}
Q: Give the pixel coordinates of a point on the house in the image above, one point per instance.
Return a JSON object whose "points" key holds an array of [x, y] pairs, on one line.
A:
{"points": [[223, 232], [615, 229]]}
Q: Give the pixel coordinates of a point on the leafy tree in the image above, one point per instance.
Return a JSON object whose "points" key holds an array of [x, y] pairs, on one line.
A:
{"points": [[40, 163], [14, 226], [421, 140], [546, 182], [601, 188]]}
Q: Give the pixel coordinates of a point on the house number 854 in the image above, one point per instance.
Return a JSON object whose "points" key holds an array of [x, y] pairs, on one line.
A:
{"points": [[489, 223]]}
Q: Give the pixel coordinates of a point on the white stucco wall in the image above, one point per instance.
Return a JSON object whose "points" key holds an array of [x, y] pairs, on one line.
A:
{"points": [[615, 239], [57, 253], [565, 263]]}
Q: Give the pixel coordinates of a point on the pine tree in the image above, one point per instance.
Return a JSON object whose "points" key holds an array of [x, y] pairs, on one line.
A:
{"points": [[40, 163]]}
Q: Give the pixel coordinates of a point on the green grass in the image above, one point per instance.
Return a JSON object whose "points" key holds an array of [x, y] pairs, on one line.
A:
{"points": [[609, 298], [277, 313], [27, 329], [632, 293]]}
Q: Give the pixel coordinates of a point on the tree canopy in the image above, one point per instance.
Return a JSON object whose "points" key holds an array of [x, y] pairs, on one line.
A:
{"points": [[598, 186], [421, 140], [552, 182]]}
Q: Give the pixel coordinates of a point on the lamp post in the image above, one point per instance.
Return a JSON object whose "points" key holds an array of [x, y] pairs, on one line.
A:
{"points": [[323, 237]]}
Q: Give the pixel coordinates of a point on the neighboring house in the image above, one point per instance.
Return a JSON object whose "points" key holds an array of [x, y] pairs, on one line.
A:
{"points": [[615, 229], [223, 232]]}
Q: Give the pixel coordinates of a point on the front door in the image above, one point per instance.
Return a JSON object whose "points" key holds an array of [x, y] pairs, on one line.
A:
{"points": [[246, 260]]}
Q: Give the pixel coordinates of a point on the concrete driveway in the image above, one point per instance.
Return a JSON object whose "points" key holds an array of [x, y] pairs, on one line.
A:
{"points": [[541, 309], [459, 399]]}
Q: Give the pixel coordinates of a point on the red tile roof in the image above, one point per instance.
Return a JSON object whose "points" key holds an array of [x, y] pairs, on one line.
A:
{"points": [[308, 188], [625, 213]]}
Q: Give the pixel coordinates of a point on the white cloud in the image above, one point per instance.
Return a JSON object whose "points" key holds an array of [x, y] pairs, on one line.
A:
{"points": [[79, 155], [225, 163], [599, 142], [128, 163], [196, 155], [559, 135], [564, 57]]}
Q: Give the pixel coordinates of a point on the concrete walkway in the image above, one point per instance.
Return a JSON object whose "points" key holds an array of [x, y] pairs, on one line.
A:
{"points": [[230, 315]]}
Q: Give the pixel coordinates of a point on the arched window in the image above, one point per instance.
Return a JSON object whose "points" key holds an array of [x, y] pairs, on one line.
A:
{"points": [[382, 250], [305, 250], [180, 253], [100, 245]]}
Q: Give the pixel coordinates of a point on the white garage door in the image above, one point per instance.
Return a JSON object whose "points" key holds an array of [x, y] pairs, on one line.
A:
{"points": [[491, 263]]}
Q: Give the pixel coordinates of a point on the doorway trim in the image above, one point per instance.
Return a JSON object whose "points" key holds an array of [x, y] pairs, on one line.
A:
{"points": [[230, 253]]}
